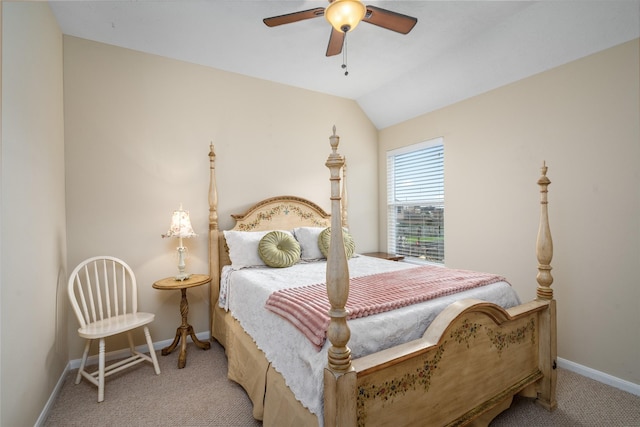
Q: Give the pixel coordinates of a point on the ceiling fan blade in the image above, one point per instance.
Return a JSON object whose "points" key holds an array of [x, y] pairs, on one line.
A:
{"points": [[390, 20], [336, 40], [293, 17]]}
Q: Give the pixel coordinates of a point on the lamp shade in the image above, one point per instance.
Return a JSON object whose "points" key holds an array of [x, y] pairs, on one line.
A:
{"points": [[180, 225], [345, 15]]}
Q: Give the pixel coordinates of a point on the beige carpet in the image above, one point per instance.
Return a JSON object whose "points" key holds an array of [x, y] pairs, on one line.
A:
{"points": [[201, 395], [197, 395]]}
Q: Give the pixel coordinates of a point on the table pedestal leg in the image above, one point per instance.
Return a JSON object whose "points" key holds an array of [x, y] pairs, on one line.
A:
{"points": [[182, 332]]}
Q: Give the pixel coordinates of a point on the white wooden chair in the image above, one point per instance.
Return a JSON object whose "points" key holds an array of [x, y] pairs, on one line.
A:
{"points": [[103, 293]]}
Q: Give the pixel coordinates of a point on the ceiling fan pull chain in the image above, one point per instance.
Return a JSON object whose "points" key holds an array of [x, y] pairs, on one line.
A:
{"points": [[344, 55]]}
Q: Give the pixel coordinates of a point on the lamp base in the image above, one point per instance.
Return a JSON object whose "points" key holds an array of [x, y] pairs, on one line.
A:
{"points": [[181, 255]]}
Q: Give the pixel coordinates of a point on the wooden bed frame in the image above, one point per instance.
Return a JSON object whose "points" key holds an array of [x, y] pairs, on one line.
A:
{"points": [[470, 362]]}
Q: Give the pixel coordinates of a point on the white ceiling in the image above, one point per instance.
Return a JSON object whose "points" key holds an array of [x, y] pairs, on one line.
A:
{"points": [[458, 49]]}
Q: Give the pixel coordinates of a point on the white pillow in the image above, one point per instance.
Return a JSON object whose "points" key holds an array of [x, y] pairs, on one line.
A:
{"points": [[243, 247], [308, 239]]}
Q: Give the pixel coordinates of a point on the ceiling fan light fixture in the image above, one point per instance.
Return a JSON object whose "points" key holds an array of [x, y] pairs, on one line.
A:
{"points": [[345, 15]]}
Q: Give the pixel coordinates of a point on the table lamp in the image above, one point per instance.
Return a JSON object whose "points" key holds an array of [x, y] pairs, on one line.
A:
{"points": [[180, 227]]}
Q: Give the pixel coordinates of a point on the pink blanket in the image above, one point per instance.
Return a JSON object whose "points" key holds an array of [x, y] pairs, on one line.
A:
{"points": [[306, 307]]}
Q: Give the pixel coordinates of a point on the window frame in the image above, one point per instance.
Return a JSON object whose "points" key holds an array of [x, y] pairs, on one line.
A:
{"points": [[424, 212]]}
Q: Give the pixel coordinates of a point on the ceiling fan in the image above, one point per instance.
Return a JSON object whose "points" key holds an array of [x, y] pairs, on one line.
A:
{"points": [[344, 16]]}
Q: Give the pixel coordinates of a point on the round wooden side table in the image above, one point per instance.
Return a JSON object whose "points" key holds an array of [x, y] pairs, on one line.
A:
{"points": [[170, 283]]}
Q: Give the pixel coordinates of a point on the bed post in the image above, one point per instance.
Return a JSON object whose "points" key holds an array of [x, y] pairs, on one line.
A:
{"points": [[339, 376], [214, 258], [548, 336], [345, 219], [544, 244]]}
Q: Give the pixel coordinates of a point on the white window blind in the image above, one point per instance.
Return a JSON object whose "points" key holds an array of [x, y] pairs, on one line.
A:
{"points": [[415, 201]]}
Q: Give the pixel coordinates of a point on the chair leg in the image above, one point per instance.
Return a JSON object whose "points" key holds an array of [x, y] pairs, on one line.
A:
{"points": [[152, 351], [132, 348], [84, 361], [101, 371]]}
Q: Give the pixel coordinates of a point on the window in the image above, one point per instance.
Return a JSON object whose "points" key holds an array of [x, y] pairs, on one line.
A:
{"points": [[415, 201]]}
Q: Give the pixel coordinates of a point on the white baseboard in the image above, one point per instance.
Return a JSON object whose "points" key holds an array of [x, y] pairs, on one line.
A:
{"points": [[601, 377], [52, 398], [93, 360]]}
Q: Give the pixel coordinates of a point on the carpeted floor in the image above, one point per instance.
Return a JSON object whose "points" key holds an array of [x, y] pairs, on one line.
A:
{"points": [[197, 395], [581, 402], [201, 395]]}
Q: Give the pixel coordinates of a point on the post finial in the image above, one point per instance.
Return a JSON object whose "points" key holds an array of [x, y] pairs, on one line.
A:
{"points": [[334, 140]]}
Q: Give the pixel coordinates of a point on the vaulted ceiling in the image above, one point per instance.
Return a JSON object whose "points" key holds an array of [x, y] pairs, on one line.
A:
{"points": [[458, 49]]}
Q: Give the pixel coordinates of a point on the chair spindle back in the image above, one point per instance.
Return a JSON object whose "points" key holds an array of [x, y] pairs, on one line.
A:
{"points": [[102, 287]]}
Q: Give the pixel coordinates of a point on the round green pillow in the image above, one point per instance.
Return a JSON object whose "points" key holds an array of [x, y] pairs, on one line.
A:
{"points": [[324, 239], [279, 249]]}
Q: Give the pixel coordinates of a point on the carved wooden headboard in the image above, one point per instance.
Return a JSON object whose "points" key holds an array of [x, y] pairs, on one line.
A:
{"points": [[276, 213]]}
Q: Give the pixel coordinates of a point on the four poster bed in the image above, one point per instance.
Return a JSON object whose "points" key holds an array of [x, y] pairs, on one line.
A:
{"points": [[453, 359]]}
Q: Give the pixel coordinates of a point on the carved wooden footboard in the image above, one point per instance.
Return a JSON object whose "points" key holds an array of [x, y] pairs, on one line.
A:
{"points": [[471, 361]]}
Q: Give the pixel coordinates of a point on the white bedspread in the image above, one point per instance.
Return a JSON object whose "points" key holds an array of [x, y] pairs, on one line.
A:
{"points": [[301, 365]]}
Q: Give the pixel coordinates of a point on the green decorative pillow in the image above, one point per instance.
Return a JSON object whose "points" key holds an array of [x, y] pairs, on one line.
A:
{"points": [[325, 238], [279, 249]]}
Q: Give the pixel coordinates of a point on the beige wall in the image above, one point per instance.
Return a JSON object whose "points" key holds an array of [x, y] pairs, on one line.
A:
{"points": [[583, 119], [137, 131], [136, 143], [34, 350]]}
